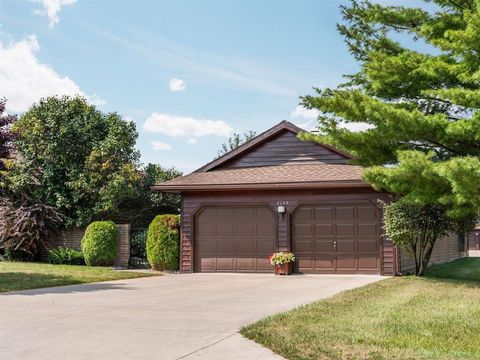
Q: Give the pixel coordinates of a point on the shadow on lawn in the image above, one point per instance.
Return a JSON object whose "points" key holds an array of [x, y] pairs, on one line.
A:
{"points": [[463, 271], [18, 283]]}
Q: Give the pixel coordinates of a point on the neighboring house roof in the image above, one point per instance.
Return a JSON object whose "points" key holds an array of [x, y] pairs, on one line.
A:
{"points": [[275, 159], [269, 177]]}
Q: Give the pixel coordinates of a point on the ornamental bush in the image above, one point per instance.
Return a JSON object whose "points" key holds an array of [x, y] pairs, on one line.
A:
{"points": [[163, 242], [65, 256], [99, 244]]}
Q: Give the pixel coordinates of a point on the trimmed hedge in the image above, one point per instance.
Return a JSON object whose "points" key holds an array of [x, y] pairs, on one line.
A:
{"points": [[65, 256], [99, 244], [163, 242]]}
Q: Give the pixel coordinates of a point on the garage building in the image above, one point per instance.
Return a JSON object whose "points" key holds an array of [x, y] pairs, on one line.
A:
{"points": [[274, 193]]}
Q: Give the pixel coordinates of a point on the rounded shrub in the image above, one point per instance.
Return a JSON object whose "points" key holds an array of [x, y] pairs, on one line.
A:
{"points": [[163, 242], [99, 244]]}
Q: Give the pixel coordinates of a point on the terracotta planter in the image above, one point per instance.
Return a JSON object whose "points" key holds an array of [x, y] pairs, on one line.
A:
{"points": [[284, 269]]}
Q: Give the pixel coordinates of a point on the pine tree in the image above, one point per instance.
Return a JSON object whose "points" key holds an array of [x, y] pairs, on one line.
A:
{"points": [[418, 89]]}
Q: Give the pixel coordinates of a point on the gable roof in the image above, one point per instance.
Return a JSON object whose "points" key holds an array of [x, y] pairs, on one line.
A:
{"points": [[259, 140]]}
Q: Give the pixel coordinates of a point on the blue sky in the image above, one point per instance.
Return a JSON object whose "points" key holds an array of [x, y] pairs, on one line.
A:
{"points": [[187, 72]]}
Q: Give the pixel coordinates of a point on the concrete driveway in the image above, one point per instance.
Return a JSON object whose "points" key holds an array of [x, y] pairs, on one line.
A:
{"points": [[193, 316]]}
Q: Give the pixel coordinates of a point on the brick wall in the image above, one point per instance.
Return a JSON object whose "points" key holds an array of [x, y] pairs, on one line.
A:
{"points": [[72, 238], [445, 249]]}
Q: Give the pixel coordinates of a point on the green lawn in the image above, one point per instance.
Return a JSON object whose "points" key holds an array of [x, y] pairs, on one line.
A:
{"points": [[24, 275], [436, 317]]}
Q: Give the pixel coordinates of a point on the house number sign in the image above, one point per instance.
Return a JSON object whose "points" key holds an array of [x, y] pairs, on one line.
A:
{"points": [[282, 202]]}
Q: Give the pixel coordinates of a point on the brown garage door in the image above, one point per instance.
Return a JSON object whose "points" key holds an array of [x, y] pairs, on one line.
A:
{"points": [[234, 239], [337, 238]]}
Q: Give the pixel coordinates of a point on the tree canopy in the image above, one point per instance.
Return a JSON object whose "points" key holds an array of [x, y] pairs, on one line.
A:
{"points": [[75, 158], [235, 141], [418, 91], [6, 141]]}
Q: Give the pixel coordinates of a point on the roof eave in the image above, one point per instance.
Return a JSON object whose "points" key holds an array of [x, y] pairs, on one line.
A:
{"points": [[263, 186]]}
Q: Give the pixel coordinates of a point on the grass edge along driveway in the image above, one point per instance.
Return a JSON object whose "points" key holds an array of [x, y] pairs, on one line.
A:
{"points": [[435, 317], [24, 275]]}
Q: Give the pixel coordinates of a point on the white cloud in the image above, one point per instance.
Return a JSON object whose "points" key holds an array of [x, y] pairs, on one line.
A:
{"points": [[301, 111], [51, 8], [158, 145], [177, 85], [185, 126], [24, 80], [192, 141]]}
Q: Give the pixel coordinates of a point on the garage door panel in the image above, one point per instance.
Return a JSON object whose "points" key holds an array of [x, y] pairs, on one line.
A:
{"points": [[355, 228], [370, 245], [207, 246], [225, 246], [263, 213], [344, 213], [345, 229], [229, 239], [303, 229], [225, 263], [245, 246], [323, 214], [304, 213], [368, 261], [346, 245], [225, 213], [207, 229], [324, 229], [347, 261], [304, 245], [265, 247], [265, 229], [263, 265], [225, 229], [367, 213], [304, 262], [244, 213], [325, 261], [245, 229], [367, 229], [322, 246], [245, 263], [208, 263]]}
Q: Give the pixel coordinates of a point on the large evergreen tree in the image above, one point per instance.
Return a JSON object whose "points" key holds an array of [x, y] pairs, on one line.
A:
{"points": [[6, 142], [418, 87]]}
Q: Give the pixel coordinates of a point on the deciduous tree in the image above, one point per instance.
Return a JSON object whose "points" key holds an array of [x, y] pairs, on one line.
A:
{"points": [[75, 158]]}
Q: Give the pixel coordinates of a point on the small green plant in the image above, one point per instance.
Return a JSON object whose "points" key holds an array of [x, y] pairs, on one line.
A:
{"points": [[66, 256], [163, 242], [99, 244], [282, 257]]}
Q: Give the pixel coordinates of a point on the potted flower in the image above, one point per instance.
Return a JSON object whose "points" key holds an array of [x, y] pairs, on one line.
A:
{"points": [[282, 262]]}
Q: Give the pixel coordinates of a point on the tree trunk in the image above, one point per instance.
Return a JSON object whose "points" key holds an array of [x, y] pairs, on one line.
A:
{"points": [[427, 253]]}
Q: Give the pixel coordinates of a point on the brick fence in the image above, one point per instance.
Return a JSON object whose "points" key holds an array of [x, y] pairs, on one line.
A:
{"points": [[72, 238]]}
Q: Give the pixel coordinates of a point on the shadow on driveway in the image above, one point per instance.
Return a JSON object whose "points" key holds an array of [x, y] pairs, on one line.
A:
{"points": [[54, 284]]}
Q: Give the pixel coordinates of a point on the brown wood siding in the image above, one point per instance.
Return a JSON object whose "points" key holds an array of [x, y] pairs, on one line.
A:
{"points": [[445, 249], [194, 202], [284, 149]]}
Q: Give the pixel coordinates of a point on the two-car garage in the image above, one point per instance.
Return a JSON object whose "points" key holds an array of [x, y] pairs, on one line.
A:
{"points": [[278, 193], [326, 238]]}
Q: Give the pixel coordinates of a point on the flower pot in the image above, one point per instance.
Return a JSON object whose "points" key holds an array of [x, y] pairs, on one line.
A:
{"points": [[284, 269]]}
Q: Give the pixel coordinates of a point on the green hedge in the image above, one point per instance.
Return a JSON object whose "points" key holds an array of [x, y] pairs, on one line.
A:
{"points": [[163, 242], [99, 244], [66, 256]]}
